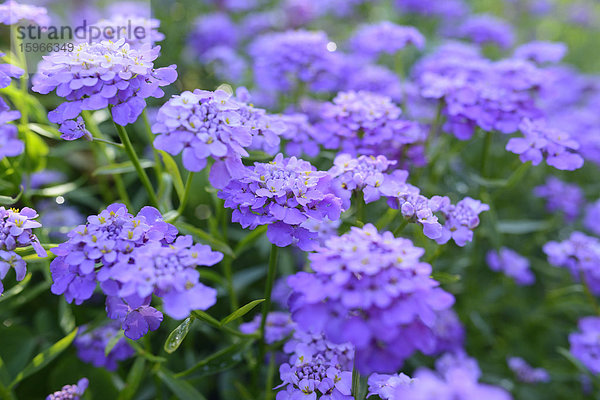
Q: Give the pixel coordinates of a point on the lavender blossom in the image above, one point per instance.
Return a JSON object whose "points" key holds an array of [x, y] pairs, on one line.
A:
{"points": [[526, 373], [390, 387], [449, 9], [541, 142], [561, 196], [484, 29], [385, 38], [10, 145], [370, 289], [70, 392], [512, 264], [100, 75], [460, 219], [212, 30], [580, 254], [301, 136], [16, 231], [279, 326], [91, 346], [282, 194], [541, 52], [592, 216], [317, 369], [11, 13], [584, 343], [146, 28]]}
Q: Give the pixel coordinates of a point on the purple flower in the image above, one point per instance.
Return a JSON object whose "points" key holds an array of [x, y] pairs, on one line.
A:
{"points": [[385, 37], [100, 75], [127, 25], [361, 76], [135, 314], [525, 372], [584, 343], [106, 239], [365, 174], [301, 136], [8, 72], [541, 52], [12, 13], [226, 63], [460, 219], [284, 194], [389, 387], [450, 9], [16, 231], [213, 30], [484, 29], [364, 123], [449, 331], [512, 264], [58, 219], [543, 142], [456, 378], [10, 145], [580, 254], [91, 346], [204, 124], [37, 180], [70, 392], [561, 196], [317, 368], [168, 272], [370, 289], [592, 216], [285, 62], [74, 129], [279, 326]]}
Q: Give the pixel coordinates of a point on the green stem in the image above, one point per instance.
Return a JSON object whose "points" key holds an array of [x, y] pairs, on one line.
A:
{"points": [[400, 227], [186, 193], [109, 142], [228, 272], [136, 163], [358, 384], [272, 271], [158, 170]]}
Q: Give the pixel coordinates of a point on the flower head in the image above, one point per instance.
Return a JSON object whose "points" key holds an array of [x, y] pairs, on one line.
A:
{"points": [[91, 346], [525, 372], [484, 29], [370, 289], [12, 13], [592, 216], [279, 325], [541, 52], [284, 194], [585, 345], [512, 264], [99, 75], [70, 392], [385, 37], [460, 219], [562, 197]]}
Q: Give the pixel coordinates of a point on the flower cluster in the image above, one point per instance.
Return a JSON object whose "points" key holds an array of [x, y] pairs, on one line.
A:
{"points": [[300, 135], [279, 325], [211, 31], [133, 258], [12, 13], [484, 29], [10, 145], [91, 346], [16, 231], [494, 96], [450, 9], [541, 52], [541, 142], [561, 197], [288, 61], [580, 254], [389, 387], [364, 174], [370, 289], [460, 219], [512, 264], [317, 369], [70, 392], [365, 123], [584, 344], [283, 193], [385, 38], [99, 75], [131, 23], [204, 124], [525, 372]]}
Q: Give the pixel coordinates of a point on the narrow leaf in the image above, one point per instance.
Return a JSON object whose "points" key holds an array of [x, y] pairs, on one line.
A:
{"points": [[134, 378], [218, 362], [121, 168], [181, 389], [250, 239], [113, 342], [240, 312], [8, 201], [177, 335], [45, 357], [173, 169]]}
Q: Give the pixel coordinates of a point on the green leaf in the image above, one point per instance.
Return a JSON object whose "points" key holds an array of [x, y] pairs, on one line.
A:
{"points": [[177, 335], [201, 315], [522, 227], [220, 361], [15, 290], [36, 149], [205, 237], [121, 168], [66, 319], [113, 342], [134, 378], [45, 130], [240, 312], [142, 352], [181, 389], [8, 201], [445, 278], [173, 169], [58, 190], [45, 357]]}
